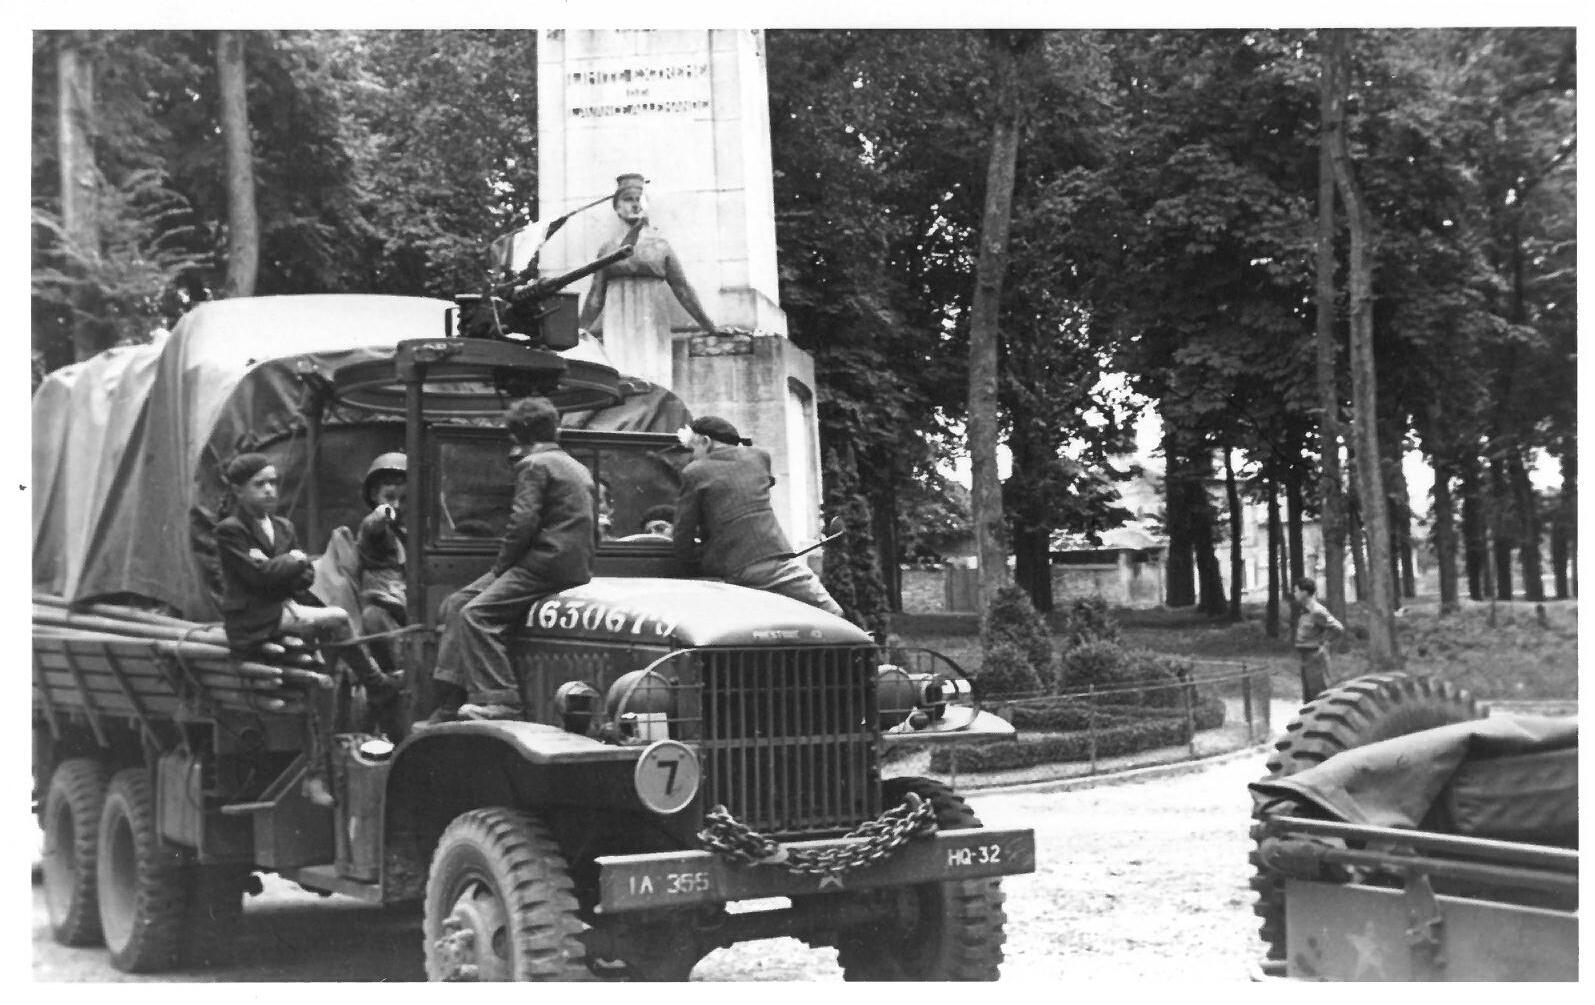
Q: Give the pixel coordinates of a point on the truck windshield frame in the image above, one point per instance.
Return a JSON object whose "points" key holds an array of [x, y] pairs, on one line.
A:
{"points": [[469, 490]]}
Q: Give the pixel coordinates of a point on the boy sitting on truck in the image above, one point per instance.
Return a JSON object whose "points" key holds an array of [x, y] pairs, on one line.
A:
{"points": [[548, 545], [265, 579], [379, 545]]}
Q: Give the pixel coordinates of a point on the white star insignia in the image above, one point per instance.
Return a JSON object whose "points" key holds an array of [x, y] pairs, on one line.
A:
{"points": [[1370, 956], [831, 879]]}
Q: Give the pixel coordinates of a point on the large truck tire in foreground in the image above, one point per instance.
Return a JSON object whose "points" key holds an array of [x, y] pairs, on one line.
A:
{"points": [[1402, 834], [690, 743]]}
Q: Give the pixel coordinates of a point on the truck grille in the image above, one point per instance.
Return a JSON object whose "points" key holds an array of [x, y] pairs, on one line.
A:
{"points": [[789, 737]]}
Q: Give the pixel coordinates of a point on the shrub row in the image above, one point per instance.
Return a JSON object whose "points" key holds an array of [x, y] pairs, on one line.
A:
{"points": [[1070, 714], [1125, 738]]}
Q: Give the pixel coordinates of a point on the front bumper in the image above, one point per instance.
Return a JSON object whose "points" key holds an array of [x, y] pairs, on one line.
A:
{"points": [[683, 879]]}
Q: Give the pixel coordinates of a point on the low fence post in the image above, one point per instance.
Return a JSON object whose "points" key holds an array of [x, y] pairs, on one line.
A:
{"points": [[1091, 725], [1265, 701], [1246, 704], [1188, 699]]}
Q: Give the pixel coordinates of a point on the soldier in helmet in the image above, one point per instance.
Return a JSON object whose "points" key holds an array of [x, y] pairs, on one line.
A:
{"points": [[380, 546]]}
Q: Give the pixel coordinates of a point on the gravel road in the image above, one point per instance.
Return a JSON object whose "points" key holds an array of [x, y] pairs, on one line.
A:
{"points": [[1137, 881]]}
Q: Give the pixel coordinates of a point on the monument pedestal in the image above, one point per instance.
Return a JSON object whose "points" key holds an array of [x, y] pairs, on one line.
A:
{"points": [[689, 110], [762, 384]]}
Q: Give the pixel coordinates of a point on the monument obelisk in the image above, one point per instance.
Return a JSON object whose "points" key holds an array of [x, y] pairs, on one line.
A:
{"points": [[687, 109]]}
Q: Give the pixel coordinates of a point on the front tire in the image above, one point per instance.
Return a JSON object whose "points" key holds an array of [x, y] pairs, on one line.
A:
{"points": [[499, 903], [1353, 714], [71, 825], [139, 879], [950, 931]]}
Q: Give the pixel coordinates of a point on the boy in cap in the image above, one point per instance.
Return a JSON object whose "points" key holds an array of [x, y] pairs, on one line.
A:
{"points": [[548, 546], [264, 575], [724, 521]]}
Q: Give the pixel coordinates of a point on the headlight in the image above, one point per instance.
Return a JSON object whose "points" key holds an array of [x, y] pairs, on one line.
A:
{"points": [[576, 702], [900, 695], [640, 706]]}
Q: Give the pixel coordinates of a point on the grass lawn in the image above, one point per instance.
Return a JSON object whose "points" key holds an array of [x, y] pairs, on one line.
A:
{"points": [[1513, 656]]}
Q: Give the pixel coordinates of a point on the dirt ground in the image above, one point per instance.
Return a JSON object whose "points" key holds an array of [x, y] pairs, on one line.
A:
{"points": [[1138, 881]]}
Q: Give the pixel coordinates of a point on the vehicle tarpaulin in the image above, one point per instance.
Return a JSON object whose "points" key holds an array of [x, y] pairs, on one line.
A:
{"points": [[1404, 781], [129, 446]]}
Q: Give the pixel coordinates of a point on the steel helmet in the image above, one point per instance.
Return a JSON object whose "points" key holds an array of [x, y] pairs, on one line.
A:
{"points": [[395, 462]]}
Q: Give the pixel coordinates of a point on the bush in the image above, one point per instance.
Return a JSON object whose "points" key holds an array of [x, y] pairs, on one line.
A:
{"points": [[1127, 738], [1005, 671], [1098, 663], [1070, 715], [1088, 620], [1010, 618]]}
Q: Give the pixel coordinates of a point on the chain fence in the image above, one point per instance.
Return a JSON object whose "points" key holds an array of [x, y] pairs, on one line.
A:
{"points": [[1247, 692]]}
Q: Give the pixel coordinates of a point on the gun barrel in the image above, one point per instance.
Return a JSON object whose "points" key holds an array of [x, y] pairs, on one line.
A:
{"points": [[559, 282]]}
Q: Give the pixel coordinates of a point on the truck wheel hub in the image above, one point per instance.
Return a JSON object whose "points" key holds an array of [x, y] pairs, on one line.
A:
{"points": [[474, 944]]}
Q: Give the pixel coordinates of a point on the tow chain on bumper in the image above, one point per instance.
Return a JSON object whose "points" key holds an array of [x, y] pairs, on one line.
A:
{"points": [[732, 839]]}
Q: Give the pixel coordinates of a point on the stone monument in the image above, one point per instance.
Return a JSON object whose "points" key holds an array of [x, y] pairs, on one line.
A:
{"points": [[689, 111]]}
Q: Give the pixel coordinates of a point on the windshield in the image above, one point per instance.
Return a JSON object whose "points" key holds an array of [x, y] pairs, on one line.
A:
{"points": [[637, 484]]}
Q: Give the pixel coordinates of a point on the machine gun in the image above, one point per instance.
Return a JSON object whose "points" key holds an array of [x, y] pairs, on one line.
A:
{"points": [[528, 310]]}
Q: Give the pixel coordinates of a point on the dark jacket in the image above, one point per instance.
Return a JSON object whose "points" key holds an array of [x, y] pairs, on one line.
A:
{"points": [[725, 504], [381, 549], [255, 586], [550, 532]]}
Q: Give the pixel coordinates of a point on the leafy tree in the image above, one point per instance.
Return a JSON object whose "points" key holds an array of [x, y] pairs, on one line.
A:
{"points": [[850, 574]]}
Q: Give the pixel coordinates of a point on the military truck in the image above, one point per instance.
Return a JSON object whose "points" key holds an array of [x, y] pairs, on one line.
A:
{"points": [[692, 743], [1403, 833]]}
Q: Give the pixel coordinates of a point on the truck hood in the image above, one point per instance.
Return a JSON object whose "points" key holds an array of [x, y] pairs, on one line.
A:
{"points": [[683, 613]]}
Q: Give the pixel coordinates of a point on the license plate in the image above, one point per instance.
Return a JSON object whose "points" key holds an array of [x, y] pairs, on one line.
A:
{"points": [[677, 879]]}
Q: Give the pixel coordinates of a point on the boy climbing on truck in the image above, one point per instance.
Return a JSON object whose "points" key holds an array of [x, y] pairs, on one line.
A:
{"points": [[265, 579]]}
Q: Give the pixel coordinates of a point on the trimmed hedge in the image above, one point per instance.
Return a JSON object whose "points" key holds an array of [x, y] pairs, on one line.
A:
{"points": [[1068, 714], [1112, 741]]}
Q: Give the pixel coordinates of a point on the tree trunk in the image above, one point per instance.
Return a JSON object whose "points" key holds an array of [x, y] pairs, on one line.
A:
{"points": [[1210, 579], [1293, 529], [1032, 566], [1383, 648], [243, 226], [1564, 535], [1237, 562], [1528, 509], [1271, 619], [80, 176], [883, 510], [1501, 531], [990, 267], [1393, 443], [1475, 532], [1180, 587], [1332, 501], [1354, 542], [1445, 537]]}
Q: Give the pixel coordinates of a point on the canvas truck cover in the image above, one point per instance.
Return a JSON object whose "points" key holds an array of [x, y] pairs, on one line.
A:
{"points": [[1406, 781], [129, 446]]}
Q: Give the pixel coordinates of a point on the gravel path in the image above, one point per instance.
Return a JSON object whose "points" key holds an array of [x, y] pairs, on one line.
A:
{"points": [[1142, 881]]}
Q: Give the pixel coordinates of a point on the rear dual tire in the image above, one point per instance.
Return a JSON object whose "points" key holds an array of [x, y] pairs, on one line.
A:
{"points": [[71, 828]]}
